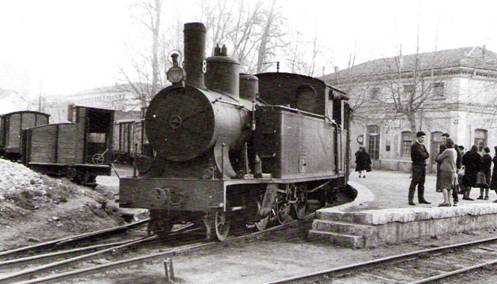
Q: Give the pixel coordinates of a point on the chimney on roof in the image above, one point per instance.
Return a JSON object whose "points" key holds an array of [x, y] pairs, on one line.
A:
{"points": [[336, 69], [483, 52]]}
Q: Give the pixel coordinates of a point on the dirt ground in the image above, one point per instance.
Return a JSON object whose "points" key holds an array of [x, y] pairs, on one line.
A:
{"points": [[54, 208], [285, 256], [265, 260]]}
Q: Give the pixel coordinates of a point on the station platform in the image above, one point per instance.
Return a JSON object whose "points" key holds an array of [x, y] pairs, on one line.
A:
{"points": [[381, 215]]}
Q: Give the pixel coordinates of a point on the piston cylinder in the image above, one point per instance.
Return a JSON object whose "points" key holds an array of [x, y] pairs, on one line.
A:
{"points": [[194, 54]]}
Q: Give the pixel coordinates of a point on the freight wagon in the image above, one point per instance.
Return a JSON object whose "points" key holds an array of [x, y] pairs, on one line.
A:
{"points": [[11, 126], [79, 150]]}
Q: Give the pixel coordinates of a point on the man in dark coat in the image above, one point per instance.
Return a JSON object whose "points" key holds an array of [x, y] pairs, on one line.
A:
{"points": [[471, 162], [418, 157]]}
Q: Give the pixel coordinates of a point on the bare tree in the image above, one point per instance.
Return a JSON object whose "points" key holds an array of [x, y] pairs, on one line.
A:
{"points": [[251, 31], [304, 60], [145, 76]]}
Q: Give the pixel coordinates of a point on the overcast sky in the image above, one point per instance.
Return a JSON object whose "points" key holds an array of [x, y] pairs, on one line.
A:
{"points": [[64, 46]]}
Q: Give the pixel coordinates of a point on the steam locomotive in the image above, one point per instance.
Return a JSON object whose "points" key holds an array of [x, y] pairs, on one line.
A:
{"points": [[235, 148]]}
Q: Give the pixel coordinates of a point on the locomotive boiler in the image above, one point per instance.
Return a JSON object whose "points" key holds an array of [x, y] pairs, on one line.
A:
{"points": [[237, 149]]}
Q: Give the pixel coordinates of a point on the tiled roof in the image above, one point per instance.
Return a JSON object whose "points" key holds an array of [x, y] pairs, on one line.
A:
{"points": [[474, 57]]}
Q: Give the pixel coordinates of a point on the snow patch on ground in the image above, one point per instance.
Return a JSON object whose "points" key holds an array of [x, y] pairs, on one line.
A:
{"points": [[15, 177]]}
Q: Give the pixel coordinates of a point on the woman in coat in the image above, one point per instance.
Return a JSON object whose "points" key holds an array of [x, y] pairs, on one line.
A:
{"points": [[493, 183], [448, 171], [471, 162], [362, 162], [485, 173]]}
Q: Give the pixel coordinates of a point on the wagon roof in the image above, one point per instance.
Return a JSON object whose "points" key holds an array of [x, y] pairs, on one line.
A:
{"points": [[25, 111]]}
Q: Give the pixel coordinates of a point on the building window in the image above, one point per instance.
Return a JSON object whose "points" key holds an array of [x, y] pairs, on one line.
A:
{"points": [[374, 141], [373, 93], [481, 138], [438, 89], [436, 141], [406, 141]]}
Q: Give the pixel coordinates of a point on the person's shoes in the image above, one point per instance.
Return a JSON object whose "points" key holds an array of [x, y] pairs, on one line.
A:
{"points": [[455, 204], [444, 205], [412, 203], [486, 197], [424, 202], [480, 198], [468, 198]]}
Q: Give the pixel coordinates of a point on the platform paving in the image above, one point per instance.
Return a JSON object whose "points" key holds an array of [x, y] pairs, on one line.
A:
{"points": [[381, 215]]}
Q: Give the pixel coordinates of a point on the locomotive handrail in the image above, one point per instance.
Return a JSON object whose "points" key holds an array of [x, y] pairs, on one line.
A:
{"points": [[296, 110], [240, 106]]}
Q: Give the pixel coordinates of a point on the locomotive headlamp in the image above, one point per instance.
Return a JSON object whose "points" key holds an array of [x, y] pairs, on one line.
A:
{"points": [[175, 74]]}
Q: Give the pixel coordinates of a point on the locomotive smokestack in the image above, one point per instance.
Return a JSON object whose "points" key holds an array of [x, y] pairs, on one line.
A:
{"points": [[194, 50]]}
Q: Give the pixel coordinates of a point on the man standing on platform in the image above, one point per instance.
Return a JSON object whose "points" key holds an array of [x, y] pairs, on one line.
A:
{"points": [[418, 157]]}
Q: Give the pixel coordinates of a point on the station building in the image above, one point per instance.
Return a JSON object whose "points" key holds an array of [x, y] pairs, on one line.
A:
{"points": [[118, 97], [462, 101]]}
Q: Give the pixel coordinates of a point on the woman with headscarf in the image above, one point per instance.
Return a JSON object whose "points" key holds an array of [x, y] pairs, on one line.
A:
{"points": [[493, 183], [448, 171]]}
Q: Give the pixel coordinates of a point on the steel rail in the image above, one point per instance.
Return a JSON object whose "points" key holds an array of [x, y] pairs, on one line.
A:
{"points": [[65, 240], [171, 252], [454, 272], [31, 271], [112, 249], [60, 253], [328, 273]]}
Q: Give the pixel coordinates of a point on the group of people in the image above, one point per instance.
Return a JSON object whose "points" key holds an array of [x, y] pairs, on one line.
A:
{"points": [[456, 173]]}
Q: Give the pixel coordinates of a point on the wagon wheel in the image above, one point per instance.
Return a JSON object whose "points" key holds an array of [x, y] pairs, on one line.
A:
{"points": [[71, 173], [217, 225], [98, 159]]}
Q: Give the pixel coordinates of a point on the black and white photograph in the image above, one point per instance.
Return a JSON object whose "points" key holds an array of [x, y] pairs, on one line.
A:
{"points": [[237, 141]]}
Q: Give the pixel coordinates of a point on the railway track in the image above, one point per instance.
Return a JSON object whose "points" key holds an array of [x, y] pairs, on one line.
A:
{"points": [[84, 264], [67, 241], [422, 266]]}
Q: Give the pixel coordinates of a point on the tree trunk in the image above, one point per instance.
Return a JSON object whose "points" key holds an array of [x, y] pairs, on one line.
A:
{"points": [[155, 48], [261, 55], [412, 124]]}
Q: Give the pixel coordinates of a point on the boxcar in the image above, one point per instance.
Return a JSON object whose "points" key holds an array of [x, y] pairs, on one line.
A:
{"points": [[11, 126], [130, 139], [80, 150]]}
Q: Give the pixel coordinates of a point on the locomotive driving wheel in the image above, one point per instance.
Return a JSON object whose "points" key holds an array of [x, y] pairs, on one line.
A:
{"points": [[217, 225]]}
